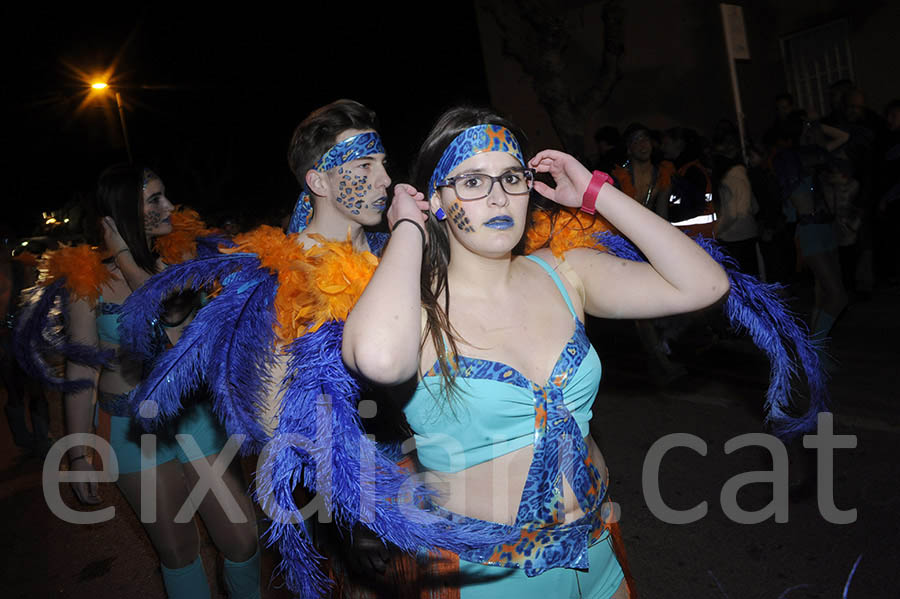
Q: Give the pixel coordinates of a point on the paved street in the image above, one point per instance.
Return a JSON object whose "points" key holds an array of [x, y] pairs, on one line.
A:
{"points": [[714, 557]]}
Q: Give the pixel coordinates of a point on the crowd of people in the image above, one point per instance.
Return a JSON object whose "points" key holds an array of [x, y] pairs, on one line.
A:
{"points": [[809, 194], [461, 327]]}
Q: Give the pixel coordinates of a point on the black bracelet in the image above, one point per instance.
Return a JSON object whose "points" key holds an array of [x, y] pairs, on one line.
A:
{"points": [[79, 457], [116, 256], [415, 224]]}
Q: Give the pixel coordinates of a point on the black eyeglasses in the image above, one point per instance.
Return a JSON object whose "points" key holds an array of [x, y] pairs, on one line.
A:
{"points": [[474, 186]]}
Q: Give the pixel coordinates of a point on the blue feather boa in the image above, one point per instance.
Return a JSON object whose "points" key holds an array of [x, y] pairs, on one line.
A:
{"points": [[757, 309], [40, 331], [319, 442]]}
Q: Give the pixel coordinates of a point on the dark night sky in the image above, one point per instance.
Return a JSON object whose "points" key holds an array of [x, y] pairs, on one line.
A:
{"points": [[212, 97]]}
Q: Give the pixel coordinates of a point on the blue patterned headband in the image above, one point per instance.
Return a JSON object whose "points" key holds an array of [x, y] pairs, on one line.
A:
{"points": [[472, 141], [146, 176], [352, 148]]}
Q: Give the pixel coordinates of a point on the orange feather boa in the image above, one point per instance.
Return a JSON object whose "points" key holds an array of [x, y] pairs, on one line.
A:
{"points": [[315, 285], [83, 268], [81, 265], [181, 243], [567, 229]]}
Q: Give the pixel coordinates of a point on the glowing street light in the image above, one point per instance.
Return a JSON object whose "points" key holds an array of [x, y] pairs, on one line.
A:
{"points": [[102, 86]]}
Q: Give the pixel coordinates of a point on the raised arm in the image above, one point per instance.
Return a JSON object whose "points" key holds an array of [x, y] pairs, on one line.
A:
{"points": [[680, 275], [383, 331], [134, 274]]}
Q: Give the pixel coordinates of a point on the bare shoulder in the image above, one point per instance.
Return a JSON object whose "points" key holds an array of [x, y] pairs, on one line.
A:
{"points": [[570, 279], [584, 260], [546, 255]]}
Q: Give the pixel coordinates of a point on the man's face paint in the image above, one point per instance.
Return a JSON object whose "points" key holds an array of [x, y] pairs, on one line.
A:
{"points": [[354, 190], [351, 149]]}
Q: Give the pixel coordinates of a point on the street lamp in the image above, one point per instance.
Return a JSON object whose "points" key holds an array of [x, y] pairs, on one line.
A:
{"points": [[101, 86]]}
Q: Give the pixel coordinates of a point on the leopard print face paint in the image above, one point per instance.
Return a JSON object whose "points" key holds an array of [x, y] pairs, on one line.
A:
{"points": [[458, 217], [156, 209], [353, 189], [153, 220]]}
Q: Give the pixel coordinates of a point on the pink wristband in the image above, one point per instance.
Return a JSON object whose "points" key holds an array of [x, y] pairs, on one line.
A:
{"points": [[590, 195]]}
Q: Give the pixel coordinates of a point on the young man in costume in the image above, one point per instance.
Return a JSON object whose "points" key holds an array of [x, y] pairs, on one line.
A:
{"points": [[339, 160], [297, 405]]}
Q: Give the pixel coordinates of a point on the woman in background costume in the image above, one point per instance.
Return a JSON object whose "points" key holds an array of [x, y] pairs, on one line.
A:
{"points": [[143, 234]]}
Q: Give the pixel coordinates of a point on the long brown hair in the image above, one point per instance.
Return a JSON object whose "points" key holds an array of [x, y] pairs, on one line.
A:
{"points": [[120, 196], [435, 293]]}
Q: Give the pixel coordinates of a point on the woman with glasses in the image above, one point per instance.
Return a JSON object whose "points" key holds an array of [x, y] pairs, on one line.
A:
{"points": [[501, 375]]}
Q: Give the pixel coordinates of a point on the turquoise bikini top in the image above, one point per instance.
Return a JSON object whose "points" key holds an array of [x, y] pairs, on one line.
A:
{"points": [[108, 321], [501, 408]]}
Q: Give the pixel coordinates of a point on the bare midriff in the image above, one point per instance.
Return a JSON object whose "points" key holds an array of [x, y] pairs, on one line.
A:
{"points": [[491, 490], [123, 373]]}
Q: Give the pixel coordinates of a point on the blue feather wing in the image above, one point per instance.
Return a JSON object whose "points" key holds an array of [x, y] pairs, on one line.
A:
{"points": [[40, 331], [142, 309], [320, 444], [756, 308], [241, 332], [208, 246], [175, 374]]}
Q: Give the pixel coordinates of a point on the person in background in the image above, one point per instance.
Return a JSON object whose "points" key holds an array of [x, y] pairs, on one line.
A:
{"points": [[16, 274], [135, 211], [640, 178], [736, 228]]}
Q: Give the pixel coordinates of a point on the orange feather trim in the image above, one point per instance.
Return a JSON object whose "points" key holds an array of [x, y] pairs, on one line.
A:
{"points": [[314, 286], [82, 266], [181, 243], [567, 229]]}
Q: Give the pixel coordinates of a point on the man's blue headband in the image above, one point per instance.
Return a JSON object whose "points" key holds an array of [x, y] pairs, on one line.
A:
{"points": [[472, 141], [352, 148]]}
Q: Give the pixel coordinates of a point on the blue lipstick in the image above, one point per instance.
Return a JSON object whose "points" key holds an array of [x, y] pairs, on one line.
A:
{"points": [[500, 222]]}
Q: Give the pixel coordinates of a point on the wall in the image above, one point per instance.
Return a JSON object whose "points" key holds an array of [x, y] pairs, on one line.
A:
{"points": [[675, 71]]}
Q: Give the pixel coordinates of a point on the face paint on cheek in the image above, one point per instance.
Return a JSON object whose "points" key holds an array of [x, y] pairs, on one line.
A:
{"points": [[458, 217], [153, 219], [352, 191]]}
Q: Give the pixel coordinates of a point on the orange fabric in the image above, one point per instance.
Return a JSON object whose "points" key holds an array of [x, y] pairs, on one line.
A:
{"points": [[623, 178], [665, 170], [181, 243], [81, 265], [618, 546]]}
